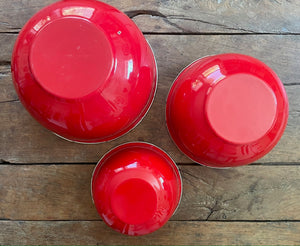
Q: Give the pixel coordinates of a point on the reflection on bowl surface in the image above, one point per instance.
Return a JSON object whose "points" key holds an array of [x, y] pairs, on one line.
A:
{"points": [[84, 70], [226, 110], [136, 187]]}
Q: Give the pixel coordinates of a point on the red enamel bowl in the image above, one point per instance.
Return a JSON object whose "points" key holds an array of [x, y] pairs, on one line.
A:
{"points": [[136, 188], [84, 70], [226, 110]]}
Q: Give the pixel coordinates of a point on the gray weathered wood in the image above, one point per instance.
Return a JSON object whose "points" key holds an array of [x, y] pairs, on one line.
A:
{"points": [[62, 192], [212, 16], [51, 203], [23, 140], [174, 52], [7, 92], [173, 233], [22, 136], [244, 193]]}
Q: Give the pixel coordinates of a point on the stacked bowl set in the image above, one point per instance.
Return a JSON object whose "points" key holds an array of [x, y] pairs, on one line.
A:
{"points": [[84, 70]]}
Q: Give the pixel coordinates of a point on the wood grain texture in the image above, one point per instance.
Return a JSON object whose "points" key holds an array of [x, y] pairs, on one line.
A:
{"points": [[7, 92], [48, 203], [23, 140], [174, 52], [212, 16], [21, 135], [7, 41], [62, 192], [173, 233]]}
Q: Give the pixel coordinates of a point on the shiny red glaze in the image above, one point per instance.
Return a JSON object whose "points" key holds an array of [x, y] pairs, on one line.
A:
{"points": [[84, 70], [136, 188], [226, 110]]}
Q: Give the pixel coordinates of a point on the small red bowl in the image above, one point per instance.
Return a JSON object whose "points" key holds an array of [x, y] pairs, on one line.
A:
{"points": [[136, 188], [226, 110], [84, 70]]}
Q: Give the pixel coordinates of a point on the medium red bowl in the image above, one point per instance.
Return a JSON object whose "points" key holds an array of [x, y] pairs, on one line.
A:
{"points": [[136, 188], [226, 110], [84, 70]]}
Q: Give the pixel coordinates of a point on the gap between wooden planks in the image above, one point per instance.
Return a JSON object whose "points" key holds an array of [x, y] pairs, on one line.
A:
{"points": [[225, 16]]}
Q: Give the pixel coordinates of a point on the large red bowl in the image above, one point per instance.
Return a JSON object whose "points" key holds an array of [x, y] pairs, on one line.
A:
{"points": [[226, 110], [136, 188], [84, 70]]}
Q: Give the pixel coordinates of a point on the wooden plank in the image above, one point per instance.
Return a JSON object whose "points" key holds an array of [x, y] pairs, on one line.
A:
{"points": [[62, 192], [174, 52], [7, 92], [222, 16], [18, 127], [178, 233], [7, 41], [23, 140], [244, 193]]}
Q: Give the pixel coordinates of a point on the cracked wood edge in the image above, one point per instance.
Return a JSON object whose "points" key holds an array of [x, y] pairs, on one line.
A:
{"points": [[225, 16], [179, 233], [62, 192]]}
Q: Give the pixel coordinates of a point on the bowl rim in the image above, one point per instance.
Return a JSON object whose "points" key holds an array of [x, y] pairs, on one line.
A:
{"points": [[172, 163], [106, 138], [273, 142]]}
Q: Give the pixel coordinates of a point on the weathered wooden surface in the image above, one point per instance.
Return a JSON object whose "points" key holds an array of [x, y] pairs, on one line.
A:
{"points": [[173, 53], [211, 16], [35, 144], [173, 233], [45, 200], [62, 192], [7, 92]]}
